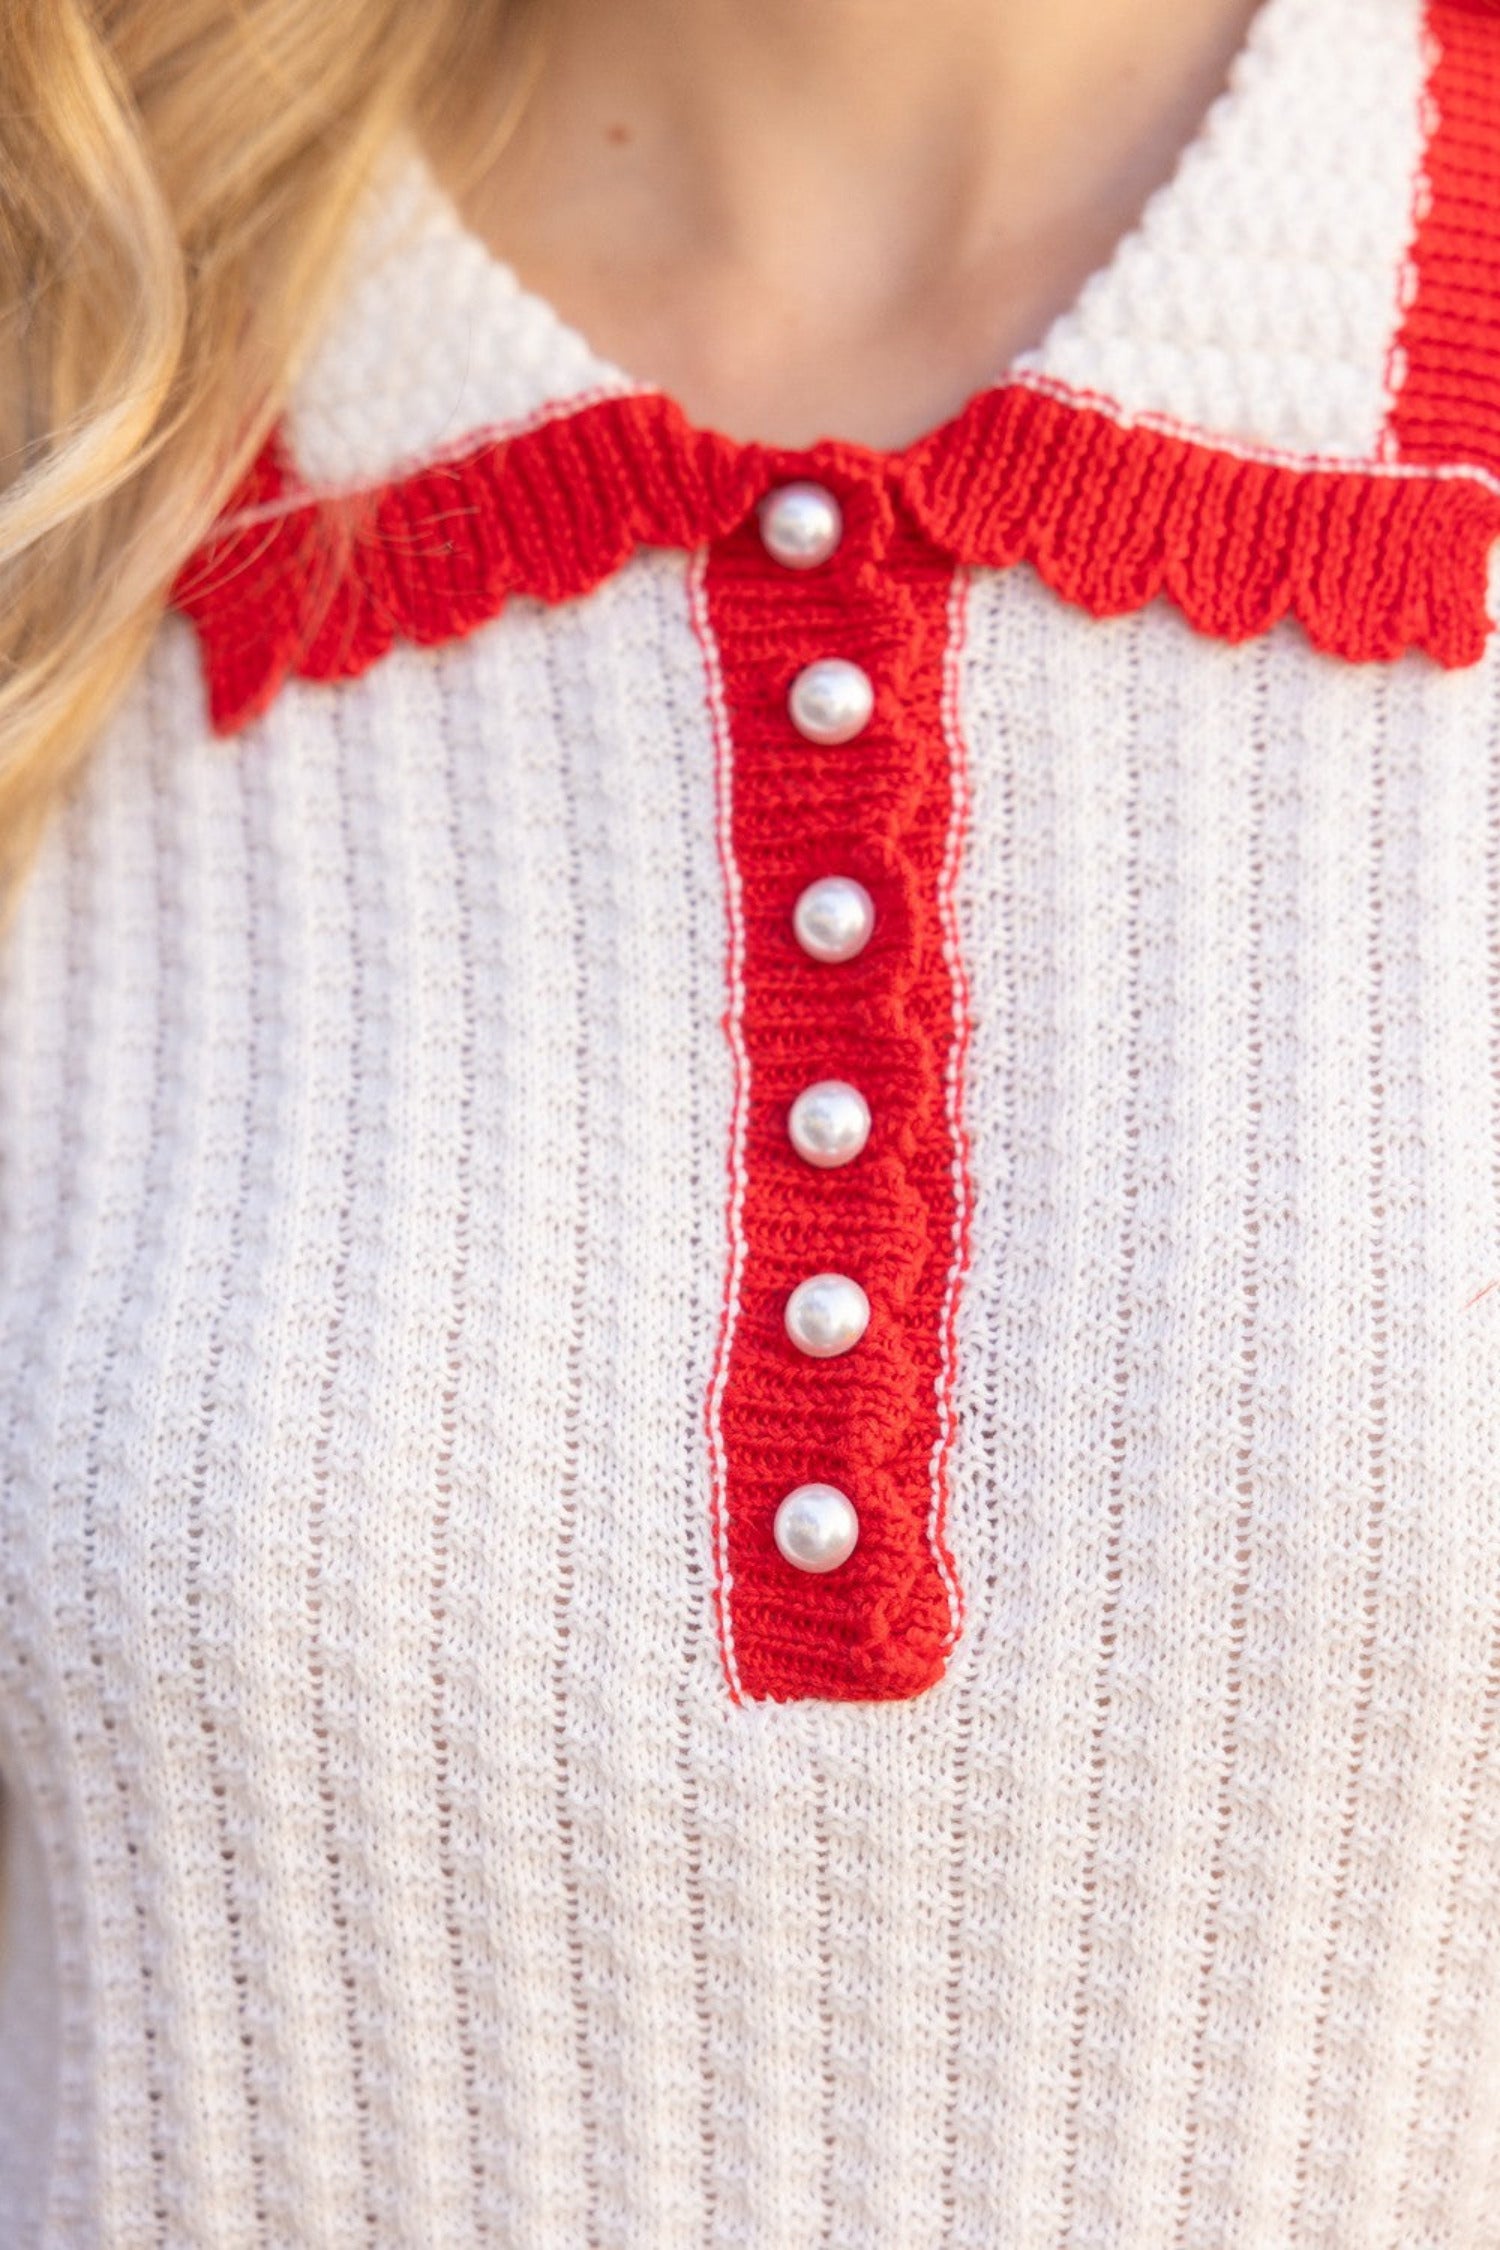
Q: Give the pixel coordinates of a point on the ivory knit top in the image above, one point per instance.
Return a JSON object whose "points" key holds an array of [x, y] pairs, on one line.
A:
{"points": [[442, 1806]]}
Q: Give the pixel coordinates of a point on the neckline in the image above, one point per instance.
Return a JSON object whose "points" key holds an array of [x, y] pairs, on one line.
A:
{"points": [[415, 517], [1209, 161], [434, 342]]}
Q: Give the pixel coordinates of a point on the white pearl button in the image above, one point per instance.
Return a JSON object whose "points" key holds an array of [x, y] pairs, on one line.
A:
{"points": [[816, 1527], [827, 1315], [829, 1123], [834, 918], [801, 525], [831, 701]]}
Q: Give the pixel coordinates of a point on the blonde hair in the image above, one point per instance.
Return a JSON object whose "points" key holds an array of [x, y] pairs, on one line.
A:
{"points": [[176, 177]]}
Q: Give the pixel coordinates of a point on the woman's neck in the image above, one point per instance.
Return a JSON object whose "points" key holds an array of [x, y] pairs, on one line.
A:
{"points": [[810, 217]]}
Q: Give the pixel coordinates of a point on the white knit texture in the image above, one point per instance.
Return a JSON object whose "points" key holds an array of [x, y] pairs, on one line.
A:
{"points": [[390, 1866], [28, 2014], [472, 351], [421, 1883], [1257, 296]]}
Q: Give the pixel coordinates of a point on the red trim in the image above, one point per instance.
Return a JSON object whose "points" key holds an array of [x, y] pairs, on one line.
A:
{"points": [[1110, 514], [885, 809], [321, 586], [1447, 360]]}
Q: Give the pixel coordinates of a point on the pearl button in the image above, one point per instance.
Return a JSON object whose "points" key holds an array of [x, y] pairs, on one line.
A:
{"points": [[834, 918], [801, 525], [831, 701], [816, 1527], [826, 1315], [829, 1123]]}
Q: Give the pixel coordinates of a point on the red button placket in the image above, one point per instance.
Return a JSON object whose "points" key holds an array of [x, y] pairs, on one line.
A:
{"points": [[795, 1428]]}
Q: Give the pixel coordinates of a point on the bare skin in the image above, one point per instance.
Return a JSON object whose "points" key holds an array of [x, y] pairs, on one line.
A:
{"points": [[807, 218]]}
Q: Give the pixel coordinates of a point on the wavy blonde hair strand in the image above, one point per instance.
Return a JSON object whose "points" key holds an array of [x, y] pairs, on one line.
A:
{"points": [[177, 178]]}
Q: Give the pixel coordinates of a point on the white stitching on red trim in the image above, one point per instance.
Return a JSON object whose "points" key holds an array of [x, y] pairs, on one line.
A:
{"points": [[734, 1026], [958, 821]]}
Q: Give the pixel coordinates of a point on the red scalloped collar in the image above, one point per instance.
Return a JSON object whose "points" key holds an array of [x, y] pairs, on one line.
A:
{"points": [[1374, 559]]}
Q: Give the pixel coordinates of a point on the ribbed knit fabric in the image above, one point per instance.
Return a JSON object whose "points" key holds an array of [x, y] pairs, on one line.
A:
{"points": [[393, 1858]]}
